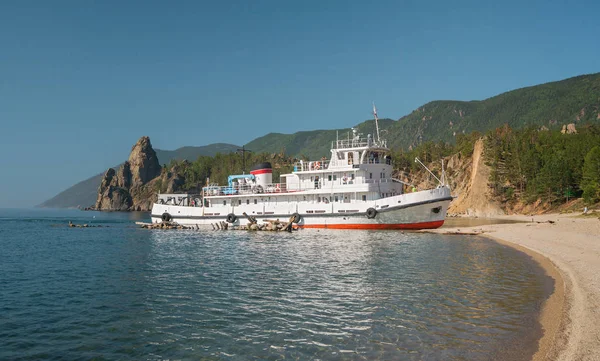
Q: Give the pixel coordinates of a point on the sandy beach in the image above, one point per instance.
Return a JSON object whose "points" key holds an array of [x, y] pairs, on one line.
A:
{"points": [[568, 247]]}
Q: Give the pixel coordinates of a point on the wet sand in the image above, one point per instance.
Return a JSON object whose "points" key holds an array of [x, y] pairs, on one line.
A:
{"points": [[569, 251]]}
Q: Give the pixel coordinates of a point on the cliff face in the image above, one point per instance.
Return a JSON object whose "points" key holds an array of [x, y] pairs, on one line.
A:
{"points": [[469, 182], [467, 177], [131, 188]]}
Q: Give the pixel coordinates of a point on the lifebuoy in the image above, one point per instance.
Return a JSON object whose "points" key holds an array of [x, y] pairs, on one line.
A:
{"points": [[166, 217], [231, 218], [371, 213], [317, 165], [296, 218]]}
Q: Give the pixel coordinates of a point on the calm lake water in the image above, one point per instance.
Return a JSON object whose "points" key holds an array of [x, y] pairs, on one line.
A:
{"points": [[120, 292]]}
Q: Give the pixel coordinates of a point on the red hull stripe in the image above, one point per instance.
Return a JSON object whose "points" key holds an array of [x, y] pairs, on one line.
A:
{"points": [[421, 225], [261, 171]]}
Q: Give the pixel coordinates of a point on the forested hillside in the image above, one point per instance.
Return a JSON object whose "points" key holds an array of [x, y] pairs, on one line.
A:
{"points": [[552, 105]]}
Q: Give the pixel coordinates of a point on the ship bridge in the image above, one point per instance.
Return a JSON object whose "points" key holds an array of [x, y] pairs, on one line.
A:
{"points": [[349, 153]]}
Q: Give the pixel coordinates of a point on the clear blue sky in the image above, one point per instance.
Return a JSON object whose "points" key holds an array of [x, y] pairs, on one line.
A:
{"points": [[81, 81]]}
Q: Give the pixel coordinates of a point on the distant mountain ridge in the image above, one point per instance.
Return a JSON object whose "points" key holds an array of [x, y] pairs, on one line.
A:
{"points": [[575, 100]]}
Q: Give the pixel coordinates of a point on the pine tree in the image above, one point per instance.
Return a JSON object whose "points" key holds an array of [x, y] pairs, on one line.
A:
{"points": [[591, 176]]}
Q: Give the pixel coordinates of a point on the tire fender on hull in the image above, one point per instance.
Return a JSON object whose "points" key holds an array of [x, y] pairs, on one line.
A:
{"points": [[371, 213], [231, 218], [296, 218], [166, 217]]}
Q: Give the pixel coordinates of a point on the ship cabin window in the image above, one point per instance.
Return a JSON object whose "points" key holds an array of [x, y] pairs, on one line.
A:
{"points": [[352, 176], [224, 203], [364, 197], [350, 158], [329, 177], [337, 199], [319, 200], [370, 175], [255, 201], [247, 201], [239, 202]]}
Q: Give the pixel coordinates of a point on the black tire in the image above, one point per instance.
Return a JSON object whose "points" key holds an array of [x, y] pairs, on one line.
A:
{"points": [[166, 217], [296, 218], [371, 213], [231, 218]]}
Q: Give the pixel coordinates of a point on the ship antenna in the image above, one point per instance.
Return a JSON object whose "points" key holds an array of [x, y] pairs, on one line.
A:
{"points": [[376, 122]]}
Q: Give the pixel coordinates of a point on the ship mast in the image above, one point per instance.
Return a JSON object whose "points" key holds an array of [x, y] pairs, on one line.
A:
{"points": [[376, 122]]}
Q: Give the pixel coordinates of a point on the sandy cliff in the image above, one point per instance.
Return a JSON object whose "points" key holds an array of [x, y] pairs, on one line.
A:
{"points": [[468, 178]]}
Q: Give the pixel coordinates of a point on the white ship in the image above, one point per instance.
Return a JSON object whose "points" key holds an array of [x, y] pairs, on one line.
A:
{"points": [[353, 189]]}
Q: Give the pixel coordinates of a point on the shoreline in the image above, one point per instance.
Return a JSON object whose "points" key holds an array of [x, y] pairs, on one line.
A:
{"points": [[552, 340], [568, 249]]}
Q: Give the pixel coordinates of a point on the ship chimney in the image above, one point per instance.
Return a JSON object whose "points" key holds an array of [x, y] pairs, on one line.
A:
{"points": [[263, 173]]}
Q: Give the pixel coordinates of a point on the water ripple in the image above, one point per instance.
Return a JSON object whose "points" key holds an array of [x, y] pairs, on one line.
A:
{"points": [[125, 293]]}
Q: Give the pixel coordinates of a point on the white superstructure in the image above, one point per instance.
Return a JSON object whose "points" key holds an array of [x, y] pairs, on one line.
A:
{"points": [[353, 189]]}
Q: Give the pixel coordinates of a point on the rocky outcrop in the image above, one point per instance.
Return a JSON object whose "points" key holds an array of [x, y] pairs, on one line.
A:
{"points": [[111, 196], [569, 129], [133, 186], [143, 163]]}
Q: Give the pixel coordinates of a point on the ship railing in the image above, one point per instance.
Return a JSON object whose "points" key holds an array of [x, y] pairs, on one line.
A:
{"points": [[179, 199], [385, 180], [384, 160], [311, 165], [355, 163], [245, 189], [358, 143]]}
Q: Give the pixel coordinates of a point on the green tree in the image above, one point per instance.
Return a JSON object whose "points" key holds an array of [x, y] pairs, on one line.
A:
{"points": [[591, 176]]}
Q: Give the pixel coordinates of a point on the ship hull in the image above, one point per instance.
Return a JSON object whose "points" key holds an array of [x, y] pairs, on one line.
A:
{"points": [[421, 210]]}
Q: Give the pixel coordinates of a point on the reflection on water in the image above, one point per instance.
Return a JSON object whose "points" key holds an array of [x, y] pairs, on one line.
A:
{"points": [[127, 293]]}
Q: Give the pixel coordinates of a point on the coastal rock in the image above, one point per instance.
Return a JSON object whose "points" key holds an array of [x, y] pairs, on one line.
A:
{"points": [[123, 178], [143, 163], [106, 180], [114, 199], [133, 187], [174, 179]]}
